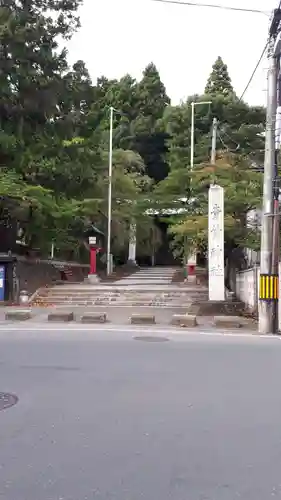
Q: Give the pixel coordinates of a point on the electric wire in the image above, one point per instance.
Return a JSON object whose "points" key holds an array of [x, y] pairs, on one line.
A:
{"points": [[254, 165], [256, 66], [223, 143], [223, 7], [254, 71], [213, 6]]}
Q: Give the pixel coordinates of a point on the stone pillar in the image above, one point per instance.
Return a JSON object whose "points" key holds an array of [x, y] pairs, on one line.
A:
{"points": [[132, 245], [216, 243]]}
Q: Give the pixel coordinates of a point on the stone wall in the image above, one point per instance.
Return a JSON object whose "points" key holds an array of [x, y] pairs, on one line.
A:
{"points": [[34, 273]]}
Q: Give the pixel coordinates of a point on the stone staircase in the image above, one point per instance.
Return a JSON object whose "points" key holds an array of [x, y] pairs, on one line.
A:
{"points": [[118, 296], [147, 289]]}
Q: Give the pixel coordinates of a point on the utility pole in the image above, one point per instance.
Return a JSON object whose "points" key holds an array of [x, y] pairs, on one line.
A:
{"points": [[109, 209], [214, 141], [268, 280], [276, 216]]}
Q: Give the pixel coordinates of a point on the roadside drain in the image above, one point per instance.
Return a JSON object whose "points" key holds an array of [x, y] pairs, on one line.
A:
{"points": [[7, 400], [152, 339]]}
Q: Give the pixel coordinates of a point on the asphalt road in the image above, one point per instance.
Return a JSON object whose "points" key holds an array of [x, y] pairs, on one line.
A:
{"points": [[102, 416]]}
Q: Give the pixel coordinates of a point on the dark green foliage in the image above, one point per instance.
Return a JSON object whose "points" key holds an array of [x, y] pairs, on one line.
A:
{"points": [[54, 134]]}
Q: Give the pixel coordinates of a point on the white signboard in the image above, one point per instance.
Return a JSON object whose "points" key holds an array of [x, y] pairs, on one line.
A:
{"points": [[92, 240], [216, 243]]}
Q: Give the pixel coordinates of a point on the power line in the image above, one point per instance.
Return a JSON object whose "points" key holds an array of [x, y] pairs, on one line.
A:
{"points": [[254, 72], [257, 65], [223, 143], [252, 159], [207, 5], [220, 131]]}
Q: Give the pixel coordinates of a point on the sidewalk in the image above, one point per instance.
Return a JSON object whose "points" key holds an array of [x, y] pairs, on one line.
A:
{"points": [[118, 316]]}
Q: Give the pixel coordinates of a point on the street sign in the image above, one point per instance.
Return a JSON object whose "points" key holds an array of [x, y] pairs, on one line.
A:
{"points": [[92, 240]]}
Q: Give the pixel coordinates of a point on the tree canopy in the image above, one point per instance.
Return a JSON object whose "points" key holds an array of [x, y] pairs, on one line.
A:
{"points": [[54, 142]]}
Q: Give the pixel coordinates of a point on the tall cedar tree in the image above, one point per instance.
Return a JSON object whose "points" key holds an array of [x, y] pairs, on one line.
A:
{"points": [[150, 141], [219, 81]]}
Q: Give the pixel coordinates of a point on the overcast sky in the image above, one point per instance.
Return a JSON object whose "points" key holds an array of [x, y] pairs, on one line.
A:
{"points": [[123, 36]]}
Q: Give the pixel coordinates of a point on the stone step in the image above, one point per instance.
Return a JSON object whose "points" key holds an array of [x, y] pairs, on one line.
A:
{"points": [[120, 303], [109, 288], [118, 296], [118, 291], [121, 298], [114, 297], [119, 306]]}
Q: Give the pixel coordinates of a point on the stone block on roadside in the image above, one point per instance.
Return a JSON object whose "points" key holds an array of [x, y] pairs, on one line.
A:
{"points": [[60, 317], [228, 322], [20, 315], [94, 318], [93, 279], [184, 320], [142, 319]]}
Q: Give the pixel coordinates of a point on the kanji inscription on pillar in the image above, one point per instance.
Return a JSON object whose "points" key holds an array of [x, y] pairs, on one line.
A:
{"points": [[216, 243]]}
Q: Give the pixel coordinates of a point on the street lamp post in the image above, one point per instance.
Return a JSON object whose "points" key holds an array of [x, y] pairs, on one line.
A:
{"points": [[192, 259], [109, 209]]}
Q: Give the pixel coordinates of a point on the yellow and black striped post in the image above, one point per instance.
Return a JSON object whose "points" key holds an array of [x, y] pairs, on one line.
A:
{"points": [[269, 287]]}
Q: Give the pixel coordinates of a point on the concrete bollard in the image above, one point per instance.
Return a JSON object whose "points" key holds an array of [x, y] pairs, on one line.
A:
{"points": [[142, 319], [94, 318], [228, 322], [184, 320], [20, 315], [61, 317]]}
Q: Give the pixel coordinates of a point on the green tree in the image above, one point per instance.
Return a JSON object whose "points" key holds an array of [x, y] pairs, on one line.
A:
{"points": [[243, 190], [219, 81], [54, 137], [149, 137], [31, 67], [152, 97], [137, 120], [239, 133]]}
